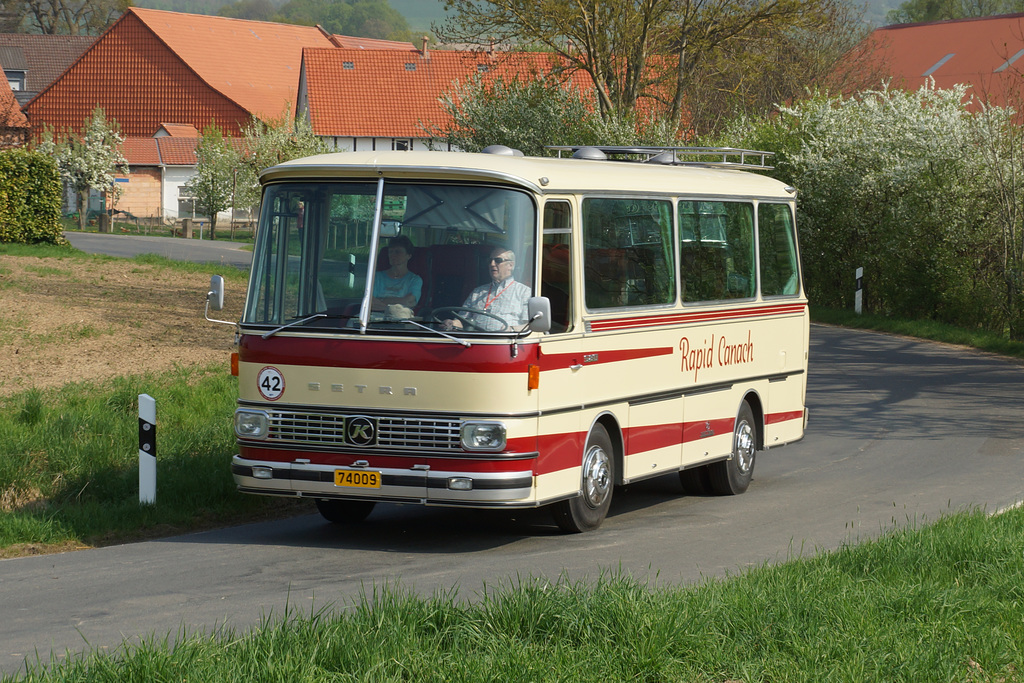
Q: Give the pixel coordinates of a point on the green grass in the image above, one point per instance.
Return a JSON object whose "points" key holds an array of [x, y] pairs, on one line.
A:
{"points": [[931, 604], [69, 459]]}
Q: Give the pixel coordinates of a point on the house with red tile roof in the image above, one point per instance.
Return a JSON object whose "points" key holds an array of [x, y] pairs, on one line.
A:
{"points": [[14, 126], [390, 99], [171, 74], [32, 61], [986, 53]]}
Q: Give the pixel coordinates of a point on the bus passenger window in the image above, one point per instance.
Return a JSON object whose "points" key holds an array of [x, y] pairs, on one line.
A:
{"points": [[556, 266], [716, 250], [779, 274], [627, 253]]}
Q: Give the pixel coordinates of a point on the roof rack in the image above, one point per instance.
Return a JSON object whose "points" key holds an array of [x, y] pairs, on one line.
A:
{"points": [[729, 157]]}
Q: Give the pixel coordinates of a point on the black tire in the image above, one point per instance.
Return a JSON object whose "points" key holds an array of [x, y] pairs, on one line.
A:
{"points": [[586, 511], [731, 477], [696, 481], [344, 511]]}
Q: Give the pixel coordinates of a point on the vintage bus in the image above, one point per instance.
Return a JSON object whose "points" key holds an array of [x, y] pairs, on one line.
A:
{"points": [[490, 330]]}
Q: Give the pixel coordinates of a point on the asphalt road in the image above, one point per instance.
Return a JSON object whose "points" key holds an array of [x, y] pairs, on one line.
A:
{"points": [[177, 248], [901, 432]]}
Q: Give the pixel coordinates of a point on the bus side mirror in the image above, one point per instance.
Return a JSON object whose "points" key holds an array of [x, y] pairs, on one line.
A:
{"points": [[215, 297], [539, 310]]}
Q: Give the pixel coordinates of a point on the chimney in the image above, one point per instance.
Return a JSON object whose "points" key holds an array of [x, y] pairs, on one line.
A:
{"points": [[426, 39]]}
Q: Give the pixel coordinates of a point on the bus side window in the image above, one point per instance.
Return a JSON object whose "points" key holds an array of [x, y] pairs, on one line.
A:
{"points": [[556, 264], [779, 274], [627, 247], [716, 250]]}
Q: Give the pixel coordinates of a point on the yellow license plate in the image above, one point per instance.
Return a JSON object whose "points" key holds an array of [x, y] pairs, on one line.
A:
{"points": [[357, 478]]}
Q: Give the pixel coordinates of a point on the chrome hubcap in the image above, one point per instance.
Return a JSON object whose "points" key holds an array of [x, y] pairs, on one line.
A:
{"points": [[597, 480], [743, 447]]}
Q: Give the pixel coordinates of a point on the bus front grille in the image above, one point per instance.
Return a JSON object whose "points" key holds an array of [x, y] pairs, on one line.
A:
{"points": [[399, 433]]}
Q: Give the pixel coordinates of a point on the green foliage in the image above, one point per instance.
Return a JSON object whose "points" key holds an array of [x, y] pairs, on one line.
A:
{"points": [[942, 10], [268, 144], [903, 185], [30, 198], [364, 18], [528, 113], [90, 160], [212, 184]]}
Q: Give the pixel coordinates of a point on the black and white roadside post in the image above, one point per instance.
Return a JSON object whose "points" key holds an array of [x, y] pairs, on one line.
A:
{"points": [[147, 449], [858, 295]]}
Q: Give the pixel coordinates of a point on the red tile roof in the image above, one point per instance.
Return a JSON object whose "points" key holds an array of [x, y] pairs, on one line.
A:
{"points": [[141, 151], [179, 130], [368, 43], [986, 53], [154, 66], [390, 93], [11, 115]]}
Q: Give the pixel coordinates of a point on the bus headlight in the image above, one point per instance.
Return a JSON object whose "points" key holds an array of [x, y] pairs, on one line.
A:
{"points": [[251, 424], [483, 436]]}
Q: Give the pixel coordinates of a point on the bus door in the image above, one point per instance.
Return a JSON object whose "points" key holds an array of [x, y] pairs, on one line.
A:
{"points": [[561, 391]]}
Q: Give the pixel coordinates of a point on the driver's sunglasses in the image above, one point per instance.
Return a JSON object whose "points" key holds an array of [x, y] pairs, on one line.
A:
{"points": [[498, 261]]}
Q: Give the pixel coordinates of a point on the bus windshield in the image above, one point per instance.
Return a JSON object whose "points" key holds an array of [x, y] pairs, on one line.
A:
{"points": [[394, 256]]}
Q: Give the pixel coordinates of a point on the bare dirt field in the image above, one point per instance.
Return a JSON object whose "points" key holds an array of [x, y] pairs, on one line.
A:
{"points": [[70, 320]]}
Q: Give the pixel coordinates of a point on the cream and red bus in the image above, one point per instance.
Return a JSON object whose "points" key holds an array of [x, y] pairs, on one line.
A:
{"points": [[660, 327]]}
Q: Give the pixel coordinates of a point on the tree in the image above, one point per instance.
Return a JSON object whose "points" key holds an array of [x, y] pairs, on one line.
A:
{"points": [[905, 185], [255, 10], [70, 17], [90, 161], [913, 11], [531, 112], [366, 18], [635, 50], [211, 186], [267, 144]]}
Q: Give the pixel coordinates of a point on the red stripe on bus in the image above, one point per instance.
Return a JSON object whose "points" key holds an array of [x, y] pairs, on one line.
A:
{"points": [[694, 317], [556, 361], [372, 354], [776, 418]]}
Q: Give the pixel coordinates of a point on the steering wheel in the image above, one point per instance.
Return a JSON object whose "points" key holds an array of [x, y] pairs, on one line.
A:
{"points": [[466, 323]]}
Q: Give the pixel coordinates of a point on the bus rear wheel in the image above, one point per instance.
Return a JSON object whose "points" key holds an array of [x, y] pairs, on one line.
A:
{"points": [[732, 476], [344, 511], [586, 511]]}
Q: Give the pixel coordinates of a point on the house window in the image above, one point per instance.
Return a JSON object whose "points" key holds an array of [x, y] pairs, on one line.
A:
{"points": [[410, 66], [16, 79], [348, 65], [401, 145], [483, 68]]}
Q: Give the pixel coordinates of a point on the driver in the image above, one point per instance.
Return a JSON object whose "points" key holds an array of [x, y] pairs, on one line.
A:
{"points": [[502, 297]]}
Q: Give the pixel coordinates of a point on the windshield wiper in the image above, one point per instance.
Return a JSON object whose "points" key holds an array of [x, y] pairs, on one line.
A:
{"points": [[439, 332], [293, 323]]}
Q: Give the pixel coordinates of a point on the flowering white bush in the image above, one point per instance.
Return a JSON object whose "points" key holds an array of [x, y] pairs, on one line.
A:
{"points": [[91, 161], [902, 184]]}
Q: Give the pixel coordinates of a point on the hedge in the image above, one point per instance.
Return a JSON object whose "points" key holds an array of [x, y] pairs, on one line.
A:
{"points": [[30, 198]]}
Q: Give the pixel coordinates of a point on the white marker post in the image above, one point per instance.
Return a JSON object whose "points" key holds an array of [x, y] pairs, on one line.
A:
{"points": [[147, 449], [858, 295]]}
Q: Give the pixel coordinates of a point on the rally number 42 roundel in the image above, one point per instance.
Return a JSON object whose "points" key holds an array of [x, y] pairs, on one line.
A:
{"points": [[270, 382]]}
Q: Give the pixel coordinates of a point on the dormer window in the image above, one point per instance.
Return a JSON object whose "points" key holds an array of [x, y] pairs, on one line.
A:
{"points": [[16, 79]]}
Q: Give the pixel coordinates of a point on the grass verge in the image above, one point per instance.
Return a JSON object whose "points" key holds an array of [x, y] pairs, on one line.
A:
{"points": [[69, 461], [938, 603]]}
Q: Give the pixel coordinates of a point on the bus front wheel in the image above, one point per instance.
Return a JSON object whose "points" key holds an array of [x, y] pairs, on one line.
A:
{"points": [[586, 511], [344, 511], [732, 476]]}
